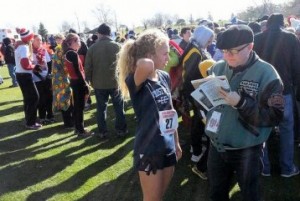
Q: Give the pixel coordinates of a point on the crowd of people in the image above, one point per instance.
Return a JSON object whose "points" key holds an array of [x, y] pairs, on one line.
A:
{"points": [[154, 70]]}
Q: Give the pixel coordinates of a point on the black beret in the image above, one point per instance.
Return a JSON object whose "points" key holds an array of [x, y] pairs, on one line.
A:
{"points": [[234, 36], [276, 19], [104, 29]]}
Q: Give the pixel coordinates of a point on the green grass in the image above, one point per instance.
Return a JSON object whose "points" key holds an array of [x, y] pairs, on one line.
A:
{"points": [[53, 164]]}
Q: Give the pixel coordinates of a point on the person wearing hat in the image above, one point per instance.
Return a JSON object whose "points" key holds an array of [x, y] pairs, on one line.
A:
{"points": [[238, 129], [24, 71], [100, 66], [282, 49]]}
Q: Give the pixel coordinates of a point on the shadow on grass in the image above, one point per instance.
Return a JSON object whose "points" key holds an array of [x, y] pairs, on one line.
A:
{"points": [[12, 110], [22, 138], [125, 187], [20, 101], [79, 179], [31, 172]]}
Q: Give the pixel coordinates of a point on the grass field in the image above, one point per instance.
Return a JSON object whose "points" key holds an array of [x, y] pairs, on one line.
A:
{"points": [[53, 164]]}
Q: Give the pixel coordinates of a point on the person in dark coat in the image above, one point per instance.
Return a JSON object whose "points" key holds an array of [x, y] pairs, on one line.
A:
{"points": [[282, 49], [9, 57]]}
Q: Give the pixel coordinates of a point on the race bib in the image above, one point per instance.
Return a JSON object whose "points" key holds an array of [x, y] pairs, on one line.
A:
{"points": [[168, 121], [214, 122]]}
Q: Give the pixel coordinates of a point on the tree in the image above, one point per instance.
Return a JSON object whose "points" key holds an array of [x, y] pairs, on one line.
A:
{"points": [[43, 31], [145, 23], [85, 27], [292, 8], [169, 23], [191, 20], [104, 14], [65, 26], [181, 22], [158, 20], [254, 12], [198, 20], [210, 17], [34, 29]]}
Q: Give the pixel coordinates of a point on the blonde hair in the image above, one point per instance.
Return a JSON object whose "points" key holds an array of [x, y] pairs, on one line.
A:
{"points": [[145, 45]]}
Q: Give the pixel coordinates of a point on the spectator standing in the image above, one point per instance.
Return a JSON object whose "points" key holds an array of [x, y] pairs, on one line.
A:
{"points": [[238, 129], [100, 69], [156, 146], [185, 34], [9, 58], [82, 54], [62, 92], [24, 68], [92, 40], [282, 49], [42, 80], [193, 55], [79, 86], [175, 36]]}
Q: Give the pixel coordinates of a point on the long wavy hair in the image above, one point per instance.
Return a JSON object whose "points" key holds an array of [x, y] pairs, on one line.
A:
{"points": [[145, 45]]}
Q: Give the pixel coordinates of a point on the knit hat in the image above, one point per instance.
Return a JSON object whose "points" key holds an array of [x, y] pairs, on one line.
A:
{"points": [[201, 35], [104, 29], [234, 36], [276, 19], [265, 17], [207, 23], [6, 41], [255, 26], [26, 34], [72, 31]]}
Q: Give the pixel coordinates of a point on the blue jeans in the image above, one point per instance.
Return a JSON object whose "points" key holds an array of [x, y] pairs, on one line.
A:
{"points": [[12, 74], [222, 166], [102, 96], [286, 130]]}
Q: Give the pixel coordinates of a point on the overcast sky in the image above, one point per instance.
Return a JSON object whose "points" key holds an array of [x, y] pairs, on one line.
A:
{"points": [[52, 13]]}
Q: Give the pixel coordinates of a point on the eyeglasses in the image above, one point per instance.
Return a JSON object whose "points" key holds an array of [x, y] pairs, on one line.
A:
{"points": [[234, 51]]}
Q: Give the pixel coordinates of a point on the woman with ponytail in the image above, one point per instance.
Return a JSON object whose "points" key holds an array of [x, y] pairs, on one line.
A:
{"points": [[141, 76]]}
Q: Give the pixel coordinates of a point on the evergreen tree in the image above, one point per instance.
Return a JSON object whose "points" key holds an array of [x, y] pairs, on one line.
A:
{"points": [[43, 31]]}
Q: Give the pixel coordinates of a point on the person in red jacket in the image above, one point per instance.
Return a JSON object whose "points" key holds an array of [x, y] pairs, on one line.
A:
{"points": [[77, 80]]}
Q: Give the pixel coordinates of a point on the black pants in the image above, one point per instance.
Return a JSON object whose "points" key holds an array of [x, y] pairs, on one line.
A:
{"points": [[45, 103], [30, 97], [243, 163], [68, 117], [197, 129], [79, 101]]}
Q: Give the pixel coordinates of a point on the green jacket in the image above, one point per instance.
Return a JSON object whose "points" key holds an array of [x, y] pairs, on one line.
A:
{"points": [[100, 64], [260, 107]]}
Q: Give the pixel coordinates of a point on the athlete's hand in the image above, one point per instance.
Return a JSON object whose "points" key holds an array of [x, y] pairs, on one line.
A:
{"points": [[178, 151]]}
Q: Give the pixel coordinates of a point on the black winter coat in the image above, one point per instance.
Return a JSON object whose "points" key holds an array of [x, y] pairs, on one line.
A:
{"points": [[281, 49]]}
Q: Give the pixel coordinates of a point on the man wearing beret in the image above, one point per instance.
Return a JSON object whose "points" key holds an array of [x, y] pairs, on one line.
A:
{"points": [[238, 129], [282, 49]]}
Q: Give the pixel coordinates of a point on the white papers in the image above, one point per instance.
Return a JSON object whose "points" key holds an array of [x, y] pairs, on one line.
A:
{"points": [[207, 91]]}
